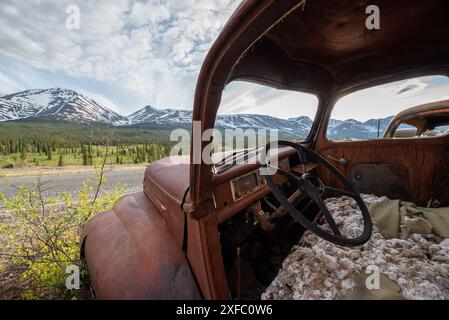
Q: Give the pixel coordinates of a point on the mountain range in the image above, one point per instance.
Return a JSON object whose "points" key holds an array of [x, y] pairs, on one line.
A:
{"points": [[57, 104]]}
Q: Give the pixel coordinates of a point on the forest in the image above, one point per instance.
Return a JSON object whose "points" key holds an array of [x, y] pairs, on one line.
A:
{"points": [[24, 144]]}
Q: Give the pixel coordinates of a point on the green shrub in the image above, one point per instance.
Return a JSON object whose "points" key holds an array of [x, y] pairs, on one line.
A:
{"points": [[42, 235]]}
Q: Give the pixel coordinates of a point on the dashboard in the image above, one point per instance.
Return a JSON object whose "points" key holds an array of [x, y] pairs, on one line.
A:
{"points": [[242, 184]]}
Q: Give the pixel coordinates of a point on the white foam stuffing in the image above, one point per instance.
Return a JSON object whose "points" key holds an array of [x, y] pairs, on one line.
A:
{"points": [[317, 269]]}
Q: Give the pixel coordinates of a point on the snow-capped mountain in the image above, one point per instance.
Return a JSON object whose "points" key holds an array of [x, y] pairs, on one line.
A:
{"points": [[299, 126], [160, 116], [342, 129], [251, 121], [56, 104], [173, 117], [68, 105]]}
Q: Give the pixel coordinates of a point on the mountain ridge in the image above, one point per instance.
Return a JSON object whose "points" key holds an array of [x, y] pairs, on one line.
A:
{"points": [[56, 104], [68, 105]]}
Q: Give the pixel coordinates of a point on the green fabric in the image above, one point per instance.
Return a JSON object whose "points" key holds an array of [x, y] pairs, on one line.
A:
{"points": [[385, 216], [388, 216], [388, 289]]}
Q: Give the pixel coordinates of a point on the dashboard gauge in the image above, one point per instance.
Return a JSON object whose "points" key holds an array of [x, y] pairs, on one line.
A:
{"points": [[246, 184]]}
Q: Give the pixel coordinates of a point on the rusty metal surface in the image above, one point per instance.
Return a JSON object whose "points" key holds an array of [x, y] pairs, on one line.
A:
{"points": [[171, 175], [165, 183], [391, 180], [132, 255], [204, 254]]}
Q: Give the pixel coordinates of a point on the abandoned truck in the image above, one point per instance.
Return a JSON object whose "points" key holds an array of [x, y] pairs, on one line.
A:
{"points": [[428, 120], [334, 206]]}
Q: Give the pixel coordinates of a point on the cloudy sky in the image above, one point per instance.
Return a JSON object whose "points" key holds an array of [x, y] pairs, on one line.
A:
{"points": [[127, 54], [389, 99], [372, 103]]}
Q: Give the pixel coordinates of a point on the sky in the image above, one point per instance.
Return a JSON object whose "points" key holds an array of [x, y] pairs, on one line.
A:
{"points": [[390, 99], [372, 103], [127, 54]]}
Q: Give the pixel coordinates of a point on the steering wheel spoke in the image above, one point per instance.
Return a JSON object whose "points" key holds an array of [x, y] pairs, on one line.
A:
{"points": [[290, 176], [309, 190]]}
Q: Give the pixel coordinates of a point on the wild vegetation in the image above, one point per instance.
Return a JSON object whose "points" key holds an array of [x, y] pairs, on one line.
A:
{"points": [[40, 234]]}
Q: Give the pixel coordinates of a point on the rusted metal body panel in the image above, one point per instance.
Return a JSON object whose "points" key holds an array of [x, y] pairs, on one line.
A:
{"points": [[382, 179], [425, 160], [166, 183], [132, 255], [204, 254]]}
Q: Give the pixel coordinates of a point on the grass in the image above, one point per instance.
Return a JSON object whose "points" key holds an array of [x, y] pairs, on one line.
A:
{"points": [[74, 156]]}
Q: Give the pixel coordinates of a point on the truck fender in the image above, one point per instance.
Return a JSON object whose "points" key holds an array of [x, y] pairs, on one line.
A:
{"points": [[131, 254]]}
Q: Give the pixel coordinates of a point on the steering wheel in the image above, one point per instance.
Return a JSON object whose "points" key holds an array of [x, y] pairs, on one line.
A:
{"points": [[311, 186]]}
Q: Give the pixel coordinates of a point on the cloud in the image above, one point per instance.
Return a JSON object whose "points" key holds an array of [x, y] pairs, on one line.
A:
{"points": [[410, 87], [249, 98], [9, 10], [148, 13], [8, 85], [151, 49]]}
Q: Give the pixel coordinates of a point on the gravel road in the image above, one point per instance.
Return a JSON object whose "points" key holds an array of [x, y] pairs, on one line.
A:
{"points": [[131, 180]]}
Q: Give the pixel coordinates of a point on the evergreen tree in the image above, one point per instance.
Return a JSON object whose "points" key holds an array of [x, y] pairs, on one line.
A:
{"points": [[61, 161], [23, 154], [85, 158]]}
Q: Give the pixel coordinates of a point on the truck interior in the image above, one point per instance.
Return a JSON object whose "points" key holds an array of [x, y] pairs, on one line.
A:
{"points": [[257, 233], [331, 58]]}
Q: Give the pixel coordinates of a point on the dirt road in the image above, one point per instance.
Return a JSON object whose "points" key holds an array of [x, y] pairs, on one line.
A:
{"points": [[71, 179]]}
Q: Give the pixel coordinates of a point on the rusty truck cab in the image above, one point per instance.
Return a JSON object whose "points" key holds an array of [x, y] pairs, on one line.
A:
{"points": [[167, 242]]}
